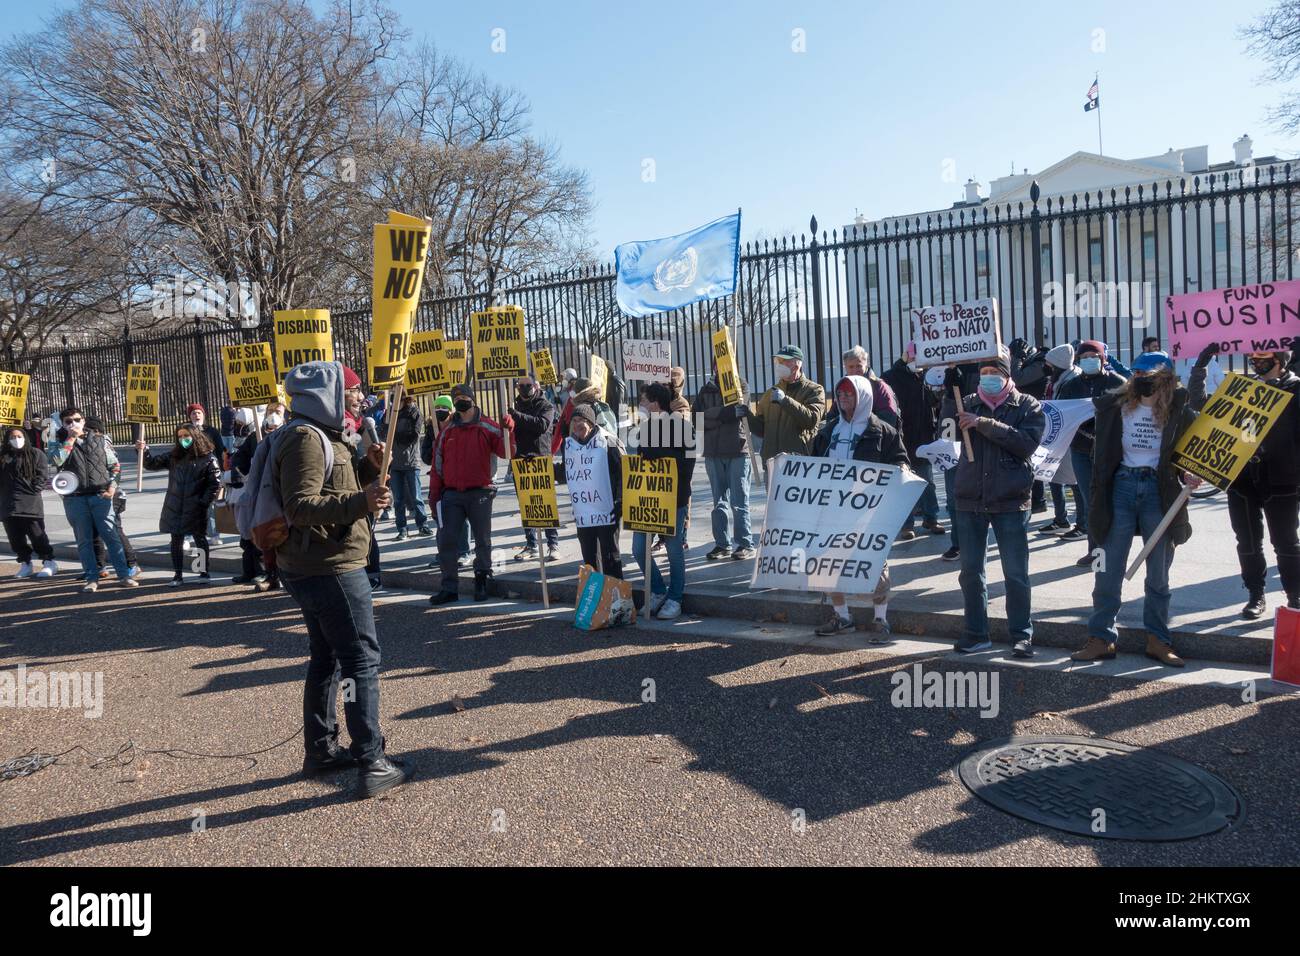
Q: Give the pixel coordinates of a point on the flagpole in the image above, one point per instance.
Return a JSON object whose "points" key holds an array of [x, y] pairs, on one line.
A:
{"points": [[1097, 79]]}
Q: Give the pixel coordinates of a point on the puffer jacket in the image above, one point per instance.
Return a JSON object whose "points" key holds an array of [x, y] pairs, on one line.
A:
{"points": [[192, 485], [406, 439], [789, 426], [1275, 468], [20, 496], [534, 425], [1087, 386], [1108, 455], [726, 429], [1000, 478], [465, 455]]}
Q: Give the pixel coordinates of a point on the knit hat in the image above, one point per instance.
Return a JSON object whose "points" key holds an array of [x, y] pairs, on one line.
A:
{"points": [[1002, 363], [1061, 357], [587, 413], [193, 408], [444, 401], [350, 378], [934, 376], [462, 390]]}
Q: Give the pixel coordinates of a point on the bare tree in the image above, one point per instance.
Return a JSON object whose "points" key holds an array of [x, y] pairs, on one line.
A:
{"points": [[1274, 36]]}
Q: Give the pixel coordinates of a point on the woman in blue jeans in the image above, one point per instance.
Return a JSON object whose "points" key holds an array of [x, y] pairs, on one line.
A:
{"points": [[662, 435], [1134, 483]]}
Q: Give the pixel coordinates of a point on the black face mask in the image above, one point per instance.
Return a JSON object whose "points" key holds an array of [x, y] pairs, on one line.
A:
{"points": [[464, 405], [1262, 369], [442, 413], [1144, 387], [524, 391]]}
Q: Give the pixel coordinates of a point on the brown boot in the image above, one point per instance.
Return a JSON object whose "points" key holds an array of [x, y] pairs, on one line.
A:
{"points": [[1158, 650], [1095, 650]]}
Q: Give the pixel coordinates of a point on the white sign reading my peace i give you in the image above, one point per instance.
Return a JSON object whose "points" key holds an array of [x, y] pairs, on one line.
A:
{"points": [[830, 524], [961, 332], [647, 360]]}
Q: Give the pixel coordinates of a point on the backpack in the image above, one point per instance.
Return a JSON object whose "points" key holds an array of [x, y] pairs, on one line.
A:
{"points": [[259, 512]]}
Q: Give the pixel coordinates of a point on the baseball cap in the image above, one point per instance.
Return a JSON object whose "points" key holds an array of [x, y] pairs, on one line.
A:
{"points": [[790, 352]]}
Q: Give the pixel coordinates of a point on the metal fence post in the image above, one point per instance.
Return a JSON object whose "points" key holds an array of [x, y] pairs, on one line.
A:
{"points": [[201, 364], [68, 398], [819, 332], [1036, 237]]}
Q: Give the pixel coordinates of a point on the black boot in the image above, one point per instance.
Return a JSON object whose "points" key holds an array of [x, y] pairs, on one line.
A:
{"points": [[1293, 601], [1255, 607], [443, 597], [333, 757], [378, 776], [481, 585]]}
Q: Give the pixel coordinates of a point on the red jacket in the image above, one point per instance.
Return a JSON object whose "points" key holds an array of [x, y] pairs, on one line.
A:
{"points": [[465, 455]]}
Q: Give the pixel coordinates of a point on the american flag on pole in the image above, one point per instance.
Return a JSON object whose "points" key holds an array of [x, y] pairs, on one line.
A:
{"points": [[1094, 101]]}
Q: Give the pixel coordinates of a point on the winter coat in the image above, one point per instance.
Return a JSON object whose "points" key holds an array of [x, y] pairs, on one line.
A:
{"points": [[192, 484], [605, 417], [880, 443], [726, 427], [1087, 386], [465, 455], [789, 426], [20, 497], [1275, 468], [918, 408], [1000, 478], [406, 439], [1108, 455], [534, 426]]}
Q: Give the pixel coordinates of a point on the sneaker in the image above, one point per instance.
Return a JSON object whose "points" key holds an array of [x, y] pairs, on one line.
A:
{"points": [[743, 554], [376, 585], [1085, 561], [135, 571], [659, 545], [205, 578], [401, 535], [835, 625], [907, 534], [90, 586], [105, 572], [656, 602], [48, 569], [443, 597], [243, 579], [952, 554], [526, 553], [1075, 534], [379, 776], [1254, 608], [553, 553], [383, 516], [969, 645], [1095, 650], [425, 532], [24, 570], [1158, 650], [714, 555], [1023, 649], [463, 562], [1054, 528], [336, 758], [880, 631], [669, 610], [128, 582], [174, 582], [934, 527]]}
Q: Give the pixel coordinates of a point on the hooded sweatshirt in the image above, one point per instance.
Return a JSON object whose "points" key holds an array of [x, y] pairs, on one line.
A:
{"points": [[844, 434]]}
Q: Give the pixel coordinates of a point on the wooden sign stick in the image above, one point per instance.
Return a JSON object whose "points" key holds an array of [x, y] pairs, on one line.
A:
{"points": [[965, 435], [1161, 528], [139, 460], [394, 403]]}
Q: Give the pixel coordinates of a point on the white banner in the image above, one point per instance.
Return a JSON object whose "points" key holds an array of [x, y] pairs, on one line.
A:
{"points": [[830, 523], [1051, 460], [647, 360]]}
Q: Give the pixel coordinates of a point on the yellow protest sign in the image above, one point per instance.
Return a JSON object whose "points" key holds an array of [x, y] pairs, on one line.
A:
{"points": [[281, 395], [499, 347], [535, 486], [401, 246], [544, 368], [1229, 429], [600, 376], [725, 357], [650, 494], [142, 393], [250, 374], [302, 335], [13, 397], [453, 357], [425, 369]]}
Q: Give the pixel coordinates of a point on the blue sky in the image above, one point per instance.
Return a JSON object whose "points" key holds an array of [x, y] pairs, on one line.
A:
{"points": [[713, 93]]}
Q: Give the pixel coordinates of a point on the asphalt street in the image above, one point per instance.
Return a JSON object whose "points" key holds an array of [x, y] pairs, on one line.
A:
{"points": [[686, 742]]}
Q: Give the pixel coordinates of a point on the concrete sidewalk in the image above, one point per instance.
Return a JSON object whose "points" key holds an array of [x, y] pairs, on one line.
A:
{"points": [[926, 598]]}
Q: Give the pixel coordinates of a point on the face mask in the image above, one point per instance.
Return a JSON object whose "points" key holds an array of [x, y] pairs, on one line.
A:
{"points": [[1090, 366], [187, 442], [524, 391], [1261, 367], [442, 413], [783, 372], [17, 441], [645, 410], [992, 384], [1144, 387], [464, 405]]}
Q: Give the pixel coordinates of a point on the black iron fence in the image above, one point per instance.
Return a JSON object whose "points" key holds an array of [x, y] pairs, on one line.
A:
{"points": [[1086, 265]]}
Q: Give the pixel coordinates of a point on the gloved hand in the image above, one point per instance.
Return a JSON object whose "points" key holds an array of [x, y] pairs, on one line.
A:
{"points": [[1018, 347], [776, 395], [1207, 353], [951, 378]]}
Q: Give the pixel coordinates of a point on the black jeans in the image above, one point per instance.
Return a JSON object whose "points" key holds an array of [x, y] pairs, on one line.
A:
{"points": [[455, 508], [178, 553], [603, 539], [1248, 514], [372, 558], [27, 535], [343, 643], [251, 558]]}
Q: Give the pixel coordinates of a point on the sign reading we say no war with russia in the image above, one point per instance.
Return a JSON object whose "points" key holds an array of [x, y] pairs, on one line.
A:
{"points": [[961, 332], [1227, 432], [1247, 318], [250, 374], [830, 524], [500, 349]]}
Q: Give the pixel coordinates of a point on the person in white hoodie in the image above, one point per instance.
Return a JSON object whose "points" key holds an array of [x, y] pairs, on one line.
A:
{"points": [[857, 434]]}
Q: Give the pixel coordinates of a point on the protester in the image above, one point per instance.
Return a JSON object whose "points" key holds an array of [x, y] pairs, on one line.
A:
{"points": [[946, 428], [1004, 428], [593, 462], [859, 435], [584, 393], [24, 473], [192, 484], [198, 421], [1134, 483], [96, 427], [404, 469], [322, 564], [360, 434], [442, 410], [1058, 363], [227, 417], [1093, 380], [966, 377], [1268, 488], [676, 388], [35, 432], [1149, 344], [857, 361], [460, 490], [534, 418], [90, 459], [663, 434], [726, 459], [787, 415], [258, 566], [918, 410], [565, 391]]}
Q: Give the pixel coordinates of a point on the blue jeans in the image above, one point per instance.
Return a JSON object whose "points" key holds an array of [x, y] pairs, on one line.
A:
{"points": [[1082, 463], [530, 536], [729, 483], [405, 485], [676, 549], [343, 643], [1010, 529], [950, 500], [929, 498], [1058, 503], [1135, 508], [88, 515]]}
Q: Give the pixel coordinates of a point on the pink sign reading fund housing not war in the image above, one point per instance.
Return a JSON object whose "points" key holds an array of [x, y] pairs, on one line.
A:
{"points": [[1247, 318]]}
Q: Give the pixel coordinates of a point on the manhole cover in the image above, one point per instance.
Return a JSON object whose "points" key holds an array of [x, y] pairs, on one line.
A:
{"points": [[1100, 788]]}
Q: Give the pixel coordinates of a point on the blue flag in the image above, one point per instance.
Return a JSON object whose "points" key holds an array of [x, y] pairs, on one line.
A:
{"points": [[663, 274]]}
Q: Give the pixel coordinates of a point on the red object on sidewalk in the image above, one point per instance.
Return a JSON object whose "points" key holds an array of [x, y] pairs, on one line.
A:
{"points": [[1286, 647]]}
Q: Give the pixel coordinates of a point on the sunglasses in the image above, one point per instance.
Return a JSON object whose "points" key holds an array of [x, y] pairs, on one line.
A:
{"points": [[72, 421]]}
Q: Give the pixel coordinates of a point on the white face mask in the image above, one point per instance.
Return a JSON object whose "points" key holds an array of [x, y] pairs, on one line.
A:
{"points": [[783, 372], [18, 441]]}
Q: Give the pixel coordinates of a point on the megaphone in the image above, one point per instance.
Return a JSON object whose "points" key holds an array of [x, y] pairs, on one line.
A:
{"points": [[64, 483]]}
